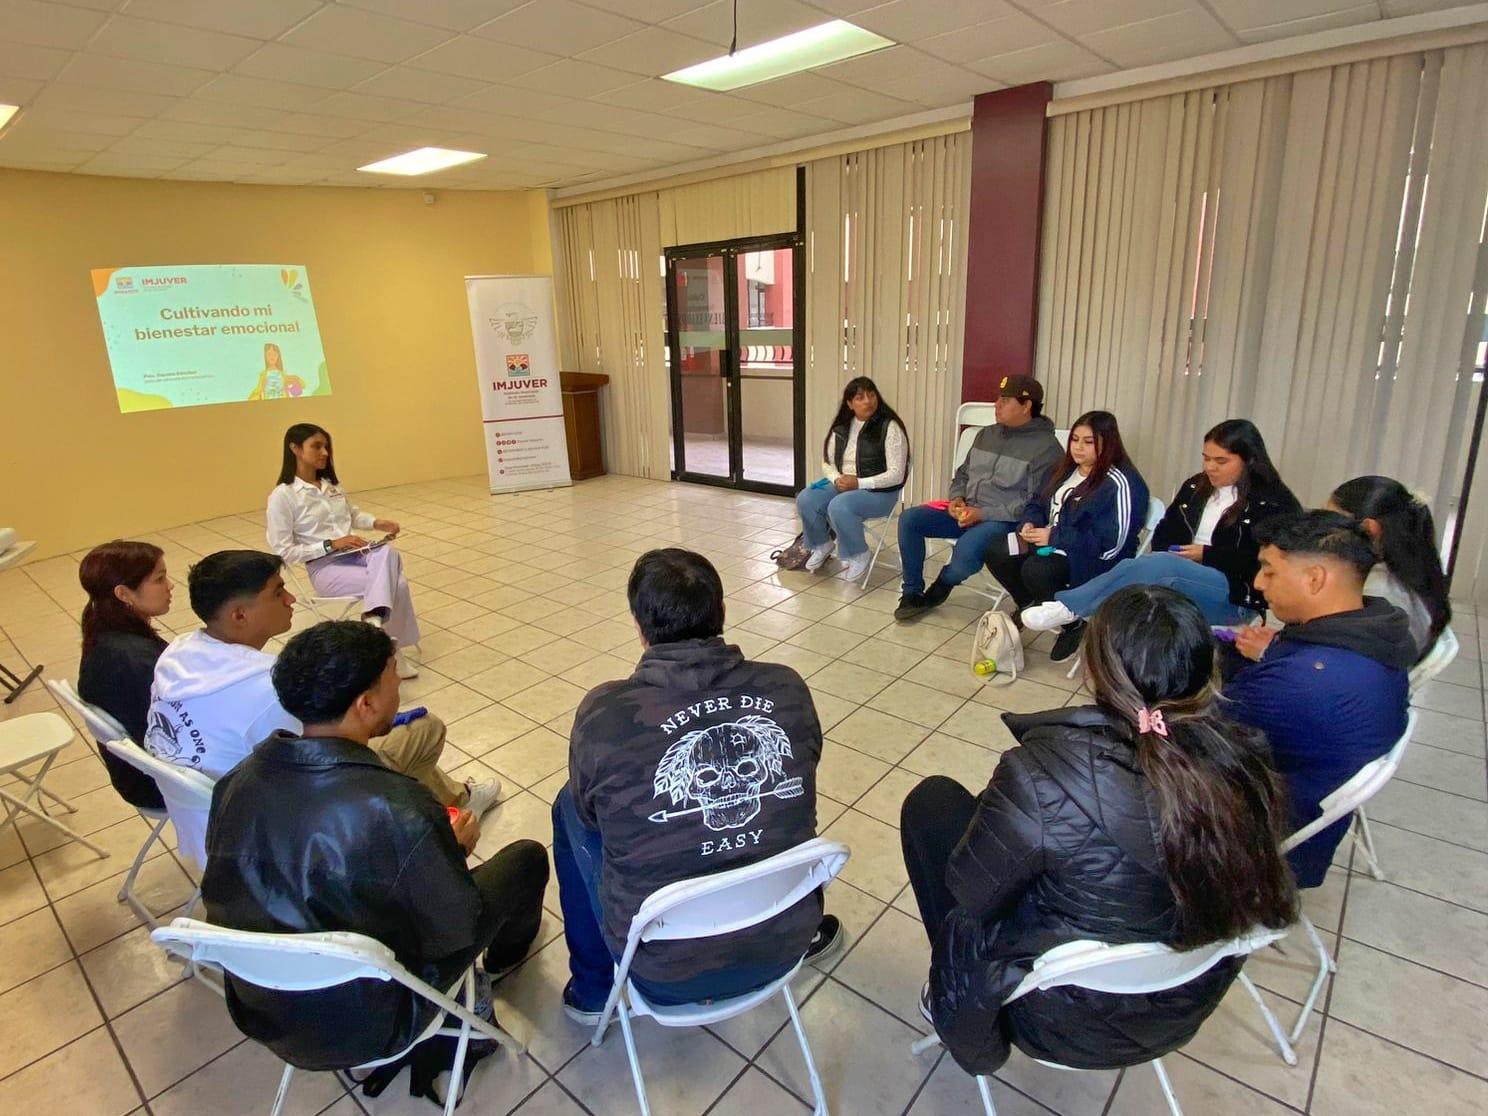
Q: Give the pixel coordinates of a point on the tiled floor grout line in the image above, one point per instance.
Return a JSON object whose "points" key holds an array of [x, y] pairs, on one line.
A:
{"points": [[1327, 1001]]}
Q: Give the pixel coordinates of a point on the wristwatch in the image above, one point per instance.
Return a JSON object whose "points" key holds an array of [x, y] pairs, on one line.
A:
{"points": [[328, 546]]}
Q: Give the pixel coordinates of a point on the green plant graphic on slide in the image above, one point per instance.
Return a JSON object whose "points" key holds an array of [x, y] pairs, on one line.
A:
{"points": [[196, 334]]}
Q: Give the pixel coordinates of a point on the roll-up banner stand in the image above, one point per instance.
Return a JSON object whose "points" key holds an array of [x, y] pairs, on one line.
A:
{"points": [[516, 359]]}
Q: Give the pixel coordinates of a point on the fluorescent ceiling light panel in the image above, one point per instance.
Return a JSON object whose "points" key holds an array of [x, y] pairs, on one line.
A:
{"points": [[6, 112], [789, 54], [423, 160]]}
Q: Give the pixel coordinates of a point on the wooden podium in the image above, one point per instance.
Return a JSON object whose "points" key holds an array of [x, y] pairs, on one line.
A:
{"points": [[581, 423]]}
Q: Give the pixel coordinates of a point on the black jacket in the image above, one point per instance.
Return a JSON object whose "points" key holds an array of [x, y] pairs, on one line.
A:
{"points": [[1233, 550], [699, 762], [316, 834], [872, 457], [1063, 846], [115, 675]]}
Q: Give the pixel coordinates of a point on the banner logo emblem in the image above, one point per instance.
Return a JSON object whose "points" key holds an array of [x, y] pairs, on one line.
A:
{"points": [[518, 364]]}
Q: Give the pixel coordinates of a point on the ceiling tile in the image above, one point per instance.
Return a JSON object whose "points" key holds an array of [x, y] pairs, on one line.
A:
{"points": [[279, 141], [37, 63], [652, 51], [784, 124], [1347, 17], [183, 130], [19, 91], [1241, 14], [872, 70], [54, 25], [365, 34], [483, 59], [996, 36], [224, 114], [241, 89], [364, 106], [571, 77], [261, 19], [513, 100], [948, 86], [789, 91], [129, 74], [1061, 61], [906, 21], [150, 147], [57, 165], [282, 62], [1081, 17], [649, 11], [150, 41], [89, 98], [759, 21], [654, 95], [99, 123], [1182, 35], [858, 106], [128, 166], [557, 24], [719, 137], [424, 86], [456, 15], [33, 139], [715, 108]]}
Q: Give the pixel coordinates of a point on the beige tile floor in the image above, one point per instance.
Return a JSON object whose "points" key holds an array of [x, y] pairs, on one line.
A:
{"points": [[523, 608]]}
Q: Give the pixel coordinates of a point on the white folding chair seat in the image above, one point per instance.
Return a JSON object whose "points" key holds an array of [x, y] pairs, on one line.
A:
{"points": [[1135, 969], [322, 608], [103, 729], [31, 739], [1442, 652], [305, 962], [720, 904], [1348, 799]]}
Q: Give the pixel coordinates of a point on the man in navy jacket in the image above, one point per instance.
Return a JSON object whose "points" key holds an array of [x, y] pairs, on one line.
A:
{"points": [[1330, 689]]}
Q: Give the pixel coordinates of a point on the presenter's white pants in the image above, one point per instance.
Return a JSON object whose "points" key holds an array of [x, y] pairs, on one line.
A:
{"points": [[377, 577]]}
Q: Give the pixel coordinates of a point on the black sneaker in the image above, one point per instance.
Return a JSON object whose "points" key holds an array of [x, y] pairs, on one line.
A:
{"points": [[910, 607], [936, 595], [1068, 642], [827, 938], [584, 1015]]}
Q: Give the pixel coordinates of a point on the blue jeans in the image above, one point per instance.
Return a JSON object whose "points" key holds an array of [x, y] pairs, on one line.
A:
{"points": [[846, 512], [578, 854], [923, 522], [1203, 585]]}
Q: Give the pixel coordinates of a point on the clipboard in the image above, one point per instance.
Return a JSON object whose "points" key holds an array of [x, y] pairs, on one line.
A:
{"points": [[356, 550]]}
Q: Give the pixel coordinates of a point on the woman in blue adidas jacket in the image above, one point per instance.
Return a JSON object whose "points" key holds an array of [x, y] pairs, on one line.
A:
{"points": [[1087, 519]]}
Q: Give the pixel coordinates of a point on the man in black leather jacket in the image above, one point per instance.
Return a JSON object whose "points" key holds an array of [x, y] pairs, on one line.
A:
{"points": [[312, 832]]}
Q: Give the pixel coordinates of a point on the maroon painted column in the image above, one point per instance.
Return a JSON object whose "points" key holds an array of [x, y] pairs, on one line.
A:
{"points": [[1007, 205]]}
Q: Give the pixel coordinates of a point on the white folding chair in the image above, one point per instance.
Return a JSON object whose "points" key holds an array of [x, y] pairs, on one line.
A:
{"points": [[877, 530], [1134, 969], [103, 729], [1347, 799], [187, 794], [36, 738], [720, 904], [304, 962], [322, 608], [1442, 652]]}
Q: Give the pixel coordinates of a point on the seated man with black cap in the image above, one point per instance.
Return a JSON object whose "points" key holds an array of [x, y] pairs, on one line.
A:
{"points": [[1006, 468]]}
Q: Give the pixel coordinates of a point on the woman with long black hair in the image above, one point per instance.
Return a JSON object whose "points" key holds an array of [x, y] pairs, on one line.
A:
{"points": [[865, 460], [1087, 519], [1205, 546], [311, 521], [1408, 572], [1143, 817]]}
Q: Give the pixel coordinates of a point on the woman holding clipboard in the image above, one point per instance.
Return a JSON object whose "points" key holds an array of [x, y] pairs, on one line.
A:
{"points": [[311, 521]]}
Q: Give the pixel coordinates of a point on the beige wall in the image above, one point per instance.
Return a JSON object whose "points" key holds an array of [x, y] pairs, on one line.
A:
{"points": [[386, 272]]}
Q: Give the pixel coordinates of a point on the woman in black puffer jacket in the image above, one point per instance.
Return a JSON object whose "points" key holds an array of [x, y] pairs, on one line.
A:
{"points": [[1144, 817]]}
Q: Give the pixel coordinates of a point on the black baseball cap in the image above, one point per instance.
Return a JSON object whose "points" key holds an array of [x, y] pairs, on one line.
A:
{"points": [[1025, 389]]}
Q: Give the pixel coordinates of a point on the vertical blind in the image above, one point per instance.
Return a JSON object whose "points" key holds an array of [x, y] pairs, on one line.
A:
{"points": [[1304, 250], [886, 290]]}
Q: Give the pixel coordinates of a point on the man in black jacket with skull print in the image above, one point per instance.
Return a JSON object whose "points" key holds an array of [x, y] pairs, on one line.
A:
{"points": [[699, 762]]}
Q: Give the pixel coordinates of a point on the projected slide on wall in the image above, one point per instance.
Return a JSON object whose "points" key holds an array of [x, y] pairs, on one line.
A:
{"points": [[210, 333]]}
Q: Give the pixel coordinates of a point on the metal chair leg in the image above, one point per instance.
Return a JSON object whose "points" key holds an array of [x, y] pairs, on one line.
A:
{"points": [[635, 1061], [1364, 838], [816, 1085], [1167, 1086], [984, 1086], [1326, 965], [283, 1092], [126, 893], [1288, 1055]]}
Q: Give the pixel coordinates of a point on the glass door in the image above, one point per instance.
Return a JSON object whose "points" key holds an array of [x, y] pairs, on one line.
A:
{"points": [[735, 354]]}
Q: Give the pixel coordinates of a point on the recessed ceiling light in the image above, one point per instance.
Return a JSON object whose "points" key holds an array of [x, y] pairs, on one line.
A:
{"points": [[789, 54], [6, 112], [423, 160]]}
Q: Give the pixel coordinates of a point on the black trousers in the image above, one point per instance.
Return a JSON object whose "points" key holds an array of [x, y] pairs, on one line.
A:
{"points": [[932, 821], [511, 886], [1029, 578]]}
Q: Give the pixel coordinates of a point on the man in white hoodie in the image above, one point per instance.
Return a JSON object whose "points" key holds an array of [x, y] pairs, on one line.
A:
{"points": [[213, 700]]}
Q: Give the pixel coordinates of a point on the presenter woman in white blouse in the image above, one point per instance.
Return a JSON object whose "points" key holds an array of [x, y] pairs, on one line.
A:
{"points": [[312, 521], [865, 460]]}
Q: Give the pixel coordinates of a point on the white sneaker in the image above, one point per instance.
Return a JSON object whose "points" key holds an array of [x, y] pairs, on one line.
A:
{"points": [[819, 555], [1047, 617], [373, 618], [480, 797], [856, 567], [405, 668]]}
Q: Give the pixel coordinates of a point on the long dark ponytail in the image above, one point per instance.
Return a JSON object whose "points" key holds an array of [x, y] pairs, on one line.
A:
{"points": [[298, 435], [1221, 808], [108, 565], [885, 414], [1407, 539], [1242, 438]]}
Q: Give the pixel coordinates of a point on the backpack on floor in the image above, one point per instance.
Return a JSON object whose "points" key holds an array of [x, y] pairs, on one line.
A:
{"points": [[997, 649], [794, 557]]}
